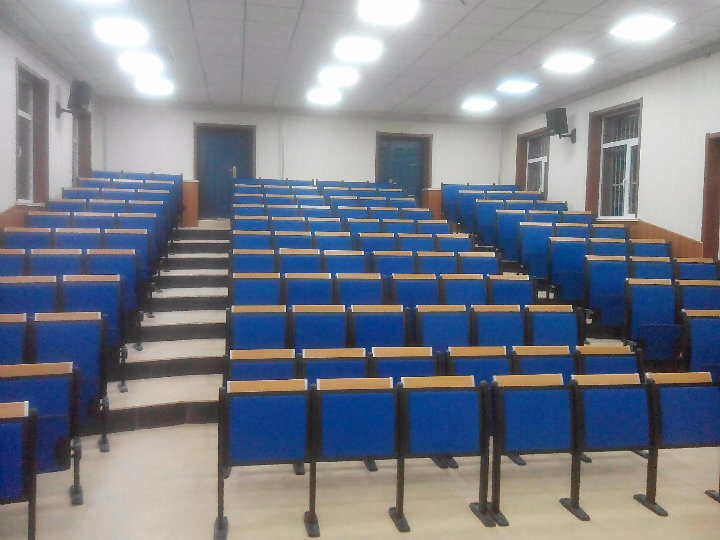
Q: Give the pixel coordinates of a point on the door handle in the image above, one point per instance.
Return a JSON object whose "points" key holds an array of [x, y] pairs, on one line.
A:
{"points": [[234, 172]]}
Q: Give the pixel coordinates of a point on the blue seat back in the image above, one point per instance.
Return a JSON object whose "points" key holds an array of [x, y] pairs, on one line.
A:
{"points": [[13, 448], [450, 200], [333, 240], [651, 267], [244, 209], [437, 262], [250, 289], [478, 262], [572, 230], [485, 222], [96, 293], [258, 327], [251, 223], [439, 327], [333, 363], [413, 289], [466, 207], [12, 262], [137, 240], [534, 238], [252, 240], [502, 326], [106, 206], [605, 278], [608, 230], [543, 216], [513, 290], [81, 193], [508, 232], [483, 363], [319, 214], [699, 294], [13, 335], [67, 205], [452, 242], [696, 269], [399, 362], [262, 364], [553, 325], [535, 360], [576, 217], [609, 247], [651, 313], [299, 260], [387, 263], [359, 289], [353, 212], [567, 259], [298, 224], [556, 206], [293, 240], [344, 261], [28, 294], [319, 327], [430, 226], [324, 224], [369, 242], [689, 414], [26, 238], [650, 248], [377, 326], [94, 220], [77, 238], [281, 208], [399, 226], [48, 219], [253, 260], [703, 330], [597, 360], [121, 262], [357, 226], [465, 289], [308, 288], [55, 262]]}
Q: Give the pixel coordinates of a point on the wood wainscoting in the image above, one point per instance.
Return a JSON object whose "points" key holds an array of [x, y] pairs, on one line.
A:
{"points": [[432, 199], [682, 246], [14, 216]]}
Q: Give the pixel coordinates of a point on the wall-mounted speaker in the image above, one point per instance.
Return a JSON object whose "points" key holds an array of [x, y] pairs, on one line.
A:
{"points": [[557, 121], [79, 100]]}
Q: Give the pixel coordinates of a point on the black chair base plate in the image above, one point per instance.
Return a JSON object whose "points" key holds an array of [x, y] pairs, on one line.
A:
{"points": [[370, 465], [516, 459], [642, 453], [123, 387], [220, 531], [498, 516], [299, 468], [138, 347], [585, 458], [311, 525], [451, 463], [576, 511], [400, 522], [104, 444], [226, 472], [654, 507], [439, 462], [76, 496], [484, 516], [714, 495]]}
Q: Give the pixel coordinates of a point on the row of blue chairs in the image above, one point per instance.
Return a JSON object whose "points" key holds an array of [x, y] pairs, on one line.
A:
{"points": [[483, 363], [311, 326], [326, 212], [320, 184], [360, 288], [368, 242], [336, 224], [151, 180], [272, 422], [290, 197]]}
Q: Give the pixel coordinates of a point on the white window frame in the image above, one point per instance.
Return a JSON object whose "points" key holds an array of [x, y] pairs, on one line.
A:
{"points": [[544, 160], [29, 117], [629, 145]]}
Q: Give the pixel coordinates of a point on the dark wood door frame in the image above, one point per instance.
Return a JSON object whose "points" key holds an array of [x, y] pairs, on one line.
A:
{"points": [[521, 156], [711, 196], [252, 129], [426, 147]]}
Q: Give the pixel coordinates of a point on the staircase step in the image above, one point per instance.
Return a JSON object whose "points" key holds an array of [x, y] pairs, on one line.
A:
{"points": [[193, 261], [190, 299], [204, 277], [192, 233], [164, 401], [200, 246], [175, 358], [181, 325]]}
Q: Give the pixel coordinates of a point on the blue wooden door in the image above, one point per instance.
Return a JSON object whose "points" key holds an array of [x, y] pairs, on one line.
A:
{"points": [[223, 154], [402, 161]]}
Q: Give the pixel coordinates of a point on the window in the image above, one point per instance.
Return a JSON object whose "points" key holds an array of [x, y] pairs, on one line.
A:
{"points": [[619, 164], [24, 139], [537, 163]]}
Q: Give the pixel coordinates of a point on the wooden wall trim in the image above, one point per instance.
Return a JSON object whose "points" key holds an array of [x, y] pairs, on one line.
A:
{"points": [[14, 216], [682, 246]]}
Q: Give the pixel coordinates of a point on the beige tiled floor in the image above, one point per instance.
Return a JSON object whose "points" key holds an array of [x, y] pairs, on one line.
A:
{"points": [[186, 388], [163, 318], [190, 348], [161, 484]]}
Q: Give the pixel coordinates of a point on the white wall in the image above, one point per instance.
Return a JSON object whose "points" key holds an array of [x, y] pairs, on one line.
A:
{"points": [[160, 138], [680, 106], [60, 130]]}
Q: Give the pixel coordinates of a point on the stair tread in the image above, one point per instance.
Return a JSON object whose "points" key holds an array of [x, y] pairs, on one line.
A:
{"points": [[203, 241], [185, 272], [172, 256], [154, 351], [169, 318], [192, 292], [165, 390]]}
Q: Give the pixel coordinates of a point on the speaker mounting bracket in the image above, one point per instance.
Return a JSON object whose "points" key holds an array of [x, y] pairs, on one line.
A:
{"points": [[572, 136], [59, 110]]}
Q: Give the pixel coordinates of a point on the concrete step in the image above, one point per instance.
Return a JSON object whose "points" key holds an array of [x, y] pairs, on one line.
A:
{"points": [[206, 277], [182, 325], [175, 358], [190, 299], [194, 233], [195, 261], [200, 246], [164, 401]]}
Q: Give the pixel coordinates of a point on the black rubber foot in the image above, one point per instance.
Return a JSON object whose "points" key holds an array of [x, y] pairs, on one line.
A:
{"points": [[585, 458], [220, 531], [104, 444], [400, 522], [299, 468], [516, 459], [574, 510], [311, 525], [642, 453], [439, 461], [498, 516], [715, 495], [451, 463], [122, 387], [138, 347], [370, 465], [76, 496], [150, 315], [654, 507], [483, 516], [226, 472]]}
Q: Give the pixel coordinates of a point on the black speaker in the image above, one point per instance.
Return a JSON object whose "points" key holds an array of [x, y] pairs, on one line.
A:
{"points": [[79, 99], [557, 121]]}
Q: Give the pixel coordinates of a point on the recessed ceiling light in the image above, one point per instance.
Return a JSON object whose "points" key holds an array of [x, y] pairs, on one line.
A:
{"points": [[121, 32], [358, 49], [324, 96], [517, 86], [154, 86], [338, 76], [478, 104], [141, 64], [389, 12], [568, 62], [642, 27]]}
